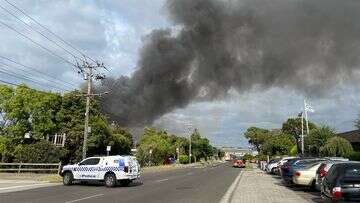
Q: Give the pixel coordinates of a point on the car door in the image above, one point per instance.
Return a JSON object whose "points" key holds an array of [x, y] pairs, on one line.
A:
{"points": [[88, 169]]}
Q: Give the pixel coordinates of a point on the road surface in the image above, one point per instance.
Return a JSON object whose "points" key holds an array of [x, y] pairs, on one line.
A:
{"points": [[183, 185]]}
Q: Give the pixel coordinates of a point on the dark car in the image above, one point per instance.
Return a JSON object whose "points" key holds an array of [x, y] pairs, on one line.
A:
{"points": [[342, 183], [287, 170]]}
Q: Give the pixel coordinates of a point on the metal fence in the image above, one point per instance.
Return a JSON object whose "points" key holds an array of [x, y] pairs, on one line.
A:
{"points": [[31, 167]]}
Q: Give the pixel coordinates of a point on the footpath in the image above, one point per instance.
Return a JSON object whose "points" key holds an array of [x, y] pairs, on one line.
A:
{"points": [[255, 186]]}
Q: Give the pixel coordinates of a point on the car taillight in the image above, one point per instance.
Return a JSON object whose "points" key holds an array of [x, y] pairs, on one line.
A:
{"points": [[126, 169], [297, 173], [336, 193], [323, 173]]}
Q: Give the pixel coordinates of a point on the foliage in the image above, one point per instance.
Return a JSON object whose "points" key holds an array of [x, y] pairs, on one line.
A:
{"points": [[278, 144], [355, 156], [294, 150], [248, 157], [293, 127], [317, 139], [157, 143], [257, 136], [39, 152], [184, 159], [200, 146], [338, 147]]}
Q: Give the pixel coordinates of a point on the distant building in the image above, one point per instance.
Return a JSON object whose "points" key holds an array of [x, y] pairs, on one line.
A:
{"points": [[353, 137], [232, 152]]}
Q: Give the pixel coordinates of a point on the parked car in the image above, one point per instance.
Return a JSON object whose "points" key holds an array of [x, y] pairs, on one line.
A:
{"points": [[287, 170], [307, 176], [239, 163], [323, 171], [272, 166], [342, 183]]}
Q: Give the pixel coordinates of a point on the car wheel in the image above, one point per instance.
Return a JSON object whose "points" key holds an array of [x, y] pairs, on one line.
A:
{"points": [[125, 183], [110, 180], [68, 178], [273, 171]]}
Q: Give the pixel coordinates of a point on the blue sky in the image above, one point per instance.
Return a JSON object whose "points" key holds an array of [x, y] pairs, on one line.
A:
{"points": [[112, 31]]}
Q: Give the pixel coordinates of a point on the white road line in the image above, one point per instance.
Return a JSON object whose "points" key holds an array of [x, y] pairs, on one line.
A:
{"points": [[20, 186], [162, 180], [190, 173], [227, 197], [89, 197]]}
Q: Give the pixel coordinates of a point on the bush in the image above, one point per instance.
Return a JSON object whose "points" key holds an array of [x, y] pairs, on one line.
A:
{"points": [[184, 159], [337, 146], [355, 156], [40, 152], [248, 157]]}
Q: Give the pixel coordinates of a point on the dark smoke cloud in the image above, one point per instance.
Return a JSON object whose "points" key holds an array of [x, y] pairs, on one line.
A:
{"points": [[223, 45]]}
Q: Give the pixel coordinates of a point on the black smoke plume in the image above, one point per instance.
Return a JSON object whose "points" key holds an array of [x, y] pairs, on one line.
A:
{"points": [[221, 45]]}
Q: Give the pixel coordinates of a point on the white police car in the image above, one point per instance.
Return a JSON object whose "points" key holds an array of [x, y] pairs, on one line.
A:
{"points": [[110, 169]]}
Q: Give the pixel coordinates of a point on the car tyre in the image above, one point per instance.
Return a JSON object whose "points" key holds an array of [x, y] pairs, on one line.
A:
{"points": [[273, 171], [68, 178], [110, 180], [125, 183]]}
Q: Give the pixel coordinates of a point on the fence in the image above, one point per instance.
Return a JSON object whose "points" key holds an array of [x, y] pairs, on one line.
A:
{"points": [[30, 167]]}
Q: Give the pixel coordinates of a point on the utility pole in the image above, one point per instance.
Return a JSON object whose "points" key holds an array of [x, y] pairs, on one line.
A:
{"points": [[88, 70], [88, 77]]}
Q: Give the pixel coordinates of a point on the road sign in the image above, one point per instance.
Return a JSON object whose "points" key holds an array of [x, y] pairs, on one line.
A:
{"points": [[108, 148]]}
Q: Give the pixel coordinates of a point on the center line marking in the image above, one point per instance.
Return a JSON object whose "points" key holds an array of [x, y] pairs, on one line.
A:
{"points": [[77, 200], [162, 180]]}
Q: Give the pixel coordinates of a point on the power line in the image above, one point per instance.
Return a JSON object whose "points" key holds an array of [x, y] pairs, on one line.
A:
{"points": [[28, 72], [37, 71], [33, 29], [38, 44], [47, 29], [23, 77], [8, 83]]}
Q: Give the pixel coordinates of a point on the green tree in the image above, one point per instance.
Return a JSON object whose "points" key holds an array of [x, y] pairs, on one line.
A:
{"points": [[293, 127], [337, 147], [317, 139], [257, 136], [278, 144], [158, 143]]}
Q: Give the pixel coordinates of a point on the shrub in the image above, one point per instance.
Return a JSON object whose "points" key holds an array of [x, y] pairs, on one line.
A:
{"points": [[40, 152], [337, 146], [355, 156], [184, 159]]}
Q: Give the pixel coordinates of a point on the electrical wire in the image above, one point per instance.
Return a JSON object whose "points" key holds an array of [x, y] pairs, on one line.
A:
{"points": [[38, 44], [37, 71], [51, 32]]}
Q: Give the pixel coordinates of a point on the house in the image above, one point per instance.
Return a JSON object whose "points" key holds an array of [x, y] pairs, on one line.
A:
{"points": [[353, 137]]}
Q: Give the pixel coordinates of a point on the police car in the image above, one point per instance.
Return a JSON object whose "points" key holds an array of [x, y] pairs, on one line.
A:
{"points": [[110, 169]]}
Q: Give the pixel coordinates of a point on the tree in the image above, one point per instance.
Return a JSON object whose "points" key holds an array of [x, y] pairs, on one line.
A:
{"points": [[317, 139], [293, 127], [337, 147], [158, 143], [257, 136], [278, 144]]}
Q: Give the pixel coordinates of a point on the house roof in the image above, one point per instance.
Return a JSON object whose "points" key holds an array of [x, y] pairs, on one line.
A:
{"points": [[351, 136]]}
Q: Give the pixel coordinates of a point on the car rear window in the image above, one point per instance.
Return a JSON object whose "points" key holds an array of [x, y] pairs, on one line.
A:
{"points": [[352, 171]]}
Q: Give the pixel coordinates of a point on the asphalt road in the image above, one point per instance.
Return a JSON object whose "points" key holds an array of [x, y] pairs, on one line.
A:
{"points": [[183, 185]]}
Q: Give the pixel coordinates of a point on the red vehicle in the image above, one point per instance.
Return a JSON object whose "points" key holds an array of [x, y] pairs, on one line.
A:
{"points": [[239, 163]]}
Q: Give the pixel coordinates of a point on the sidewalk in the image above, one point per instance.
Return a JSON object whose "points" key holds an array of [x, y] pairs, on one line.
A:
{"points": [[255, 186]]}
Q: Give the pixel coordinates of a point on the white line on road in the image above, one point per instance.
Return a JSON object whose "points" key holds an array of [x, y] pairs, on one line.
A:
{"points": [[228, 195], [20, 186], [190, 173], [162, 180], [89, 197]]}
